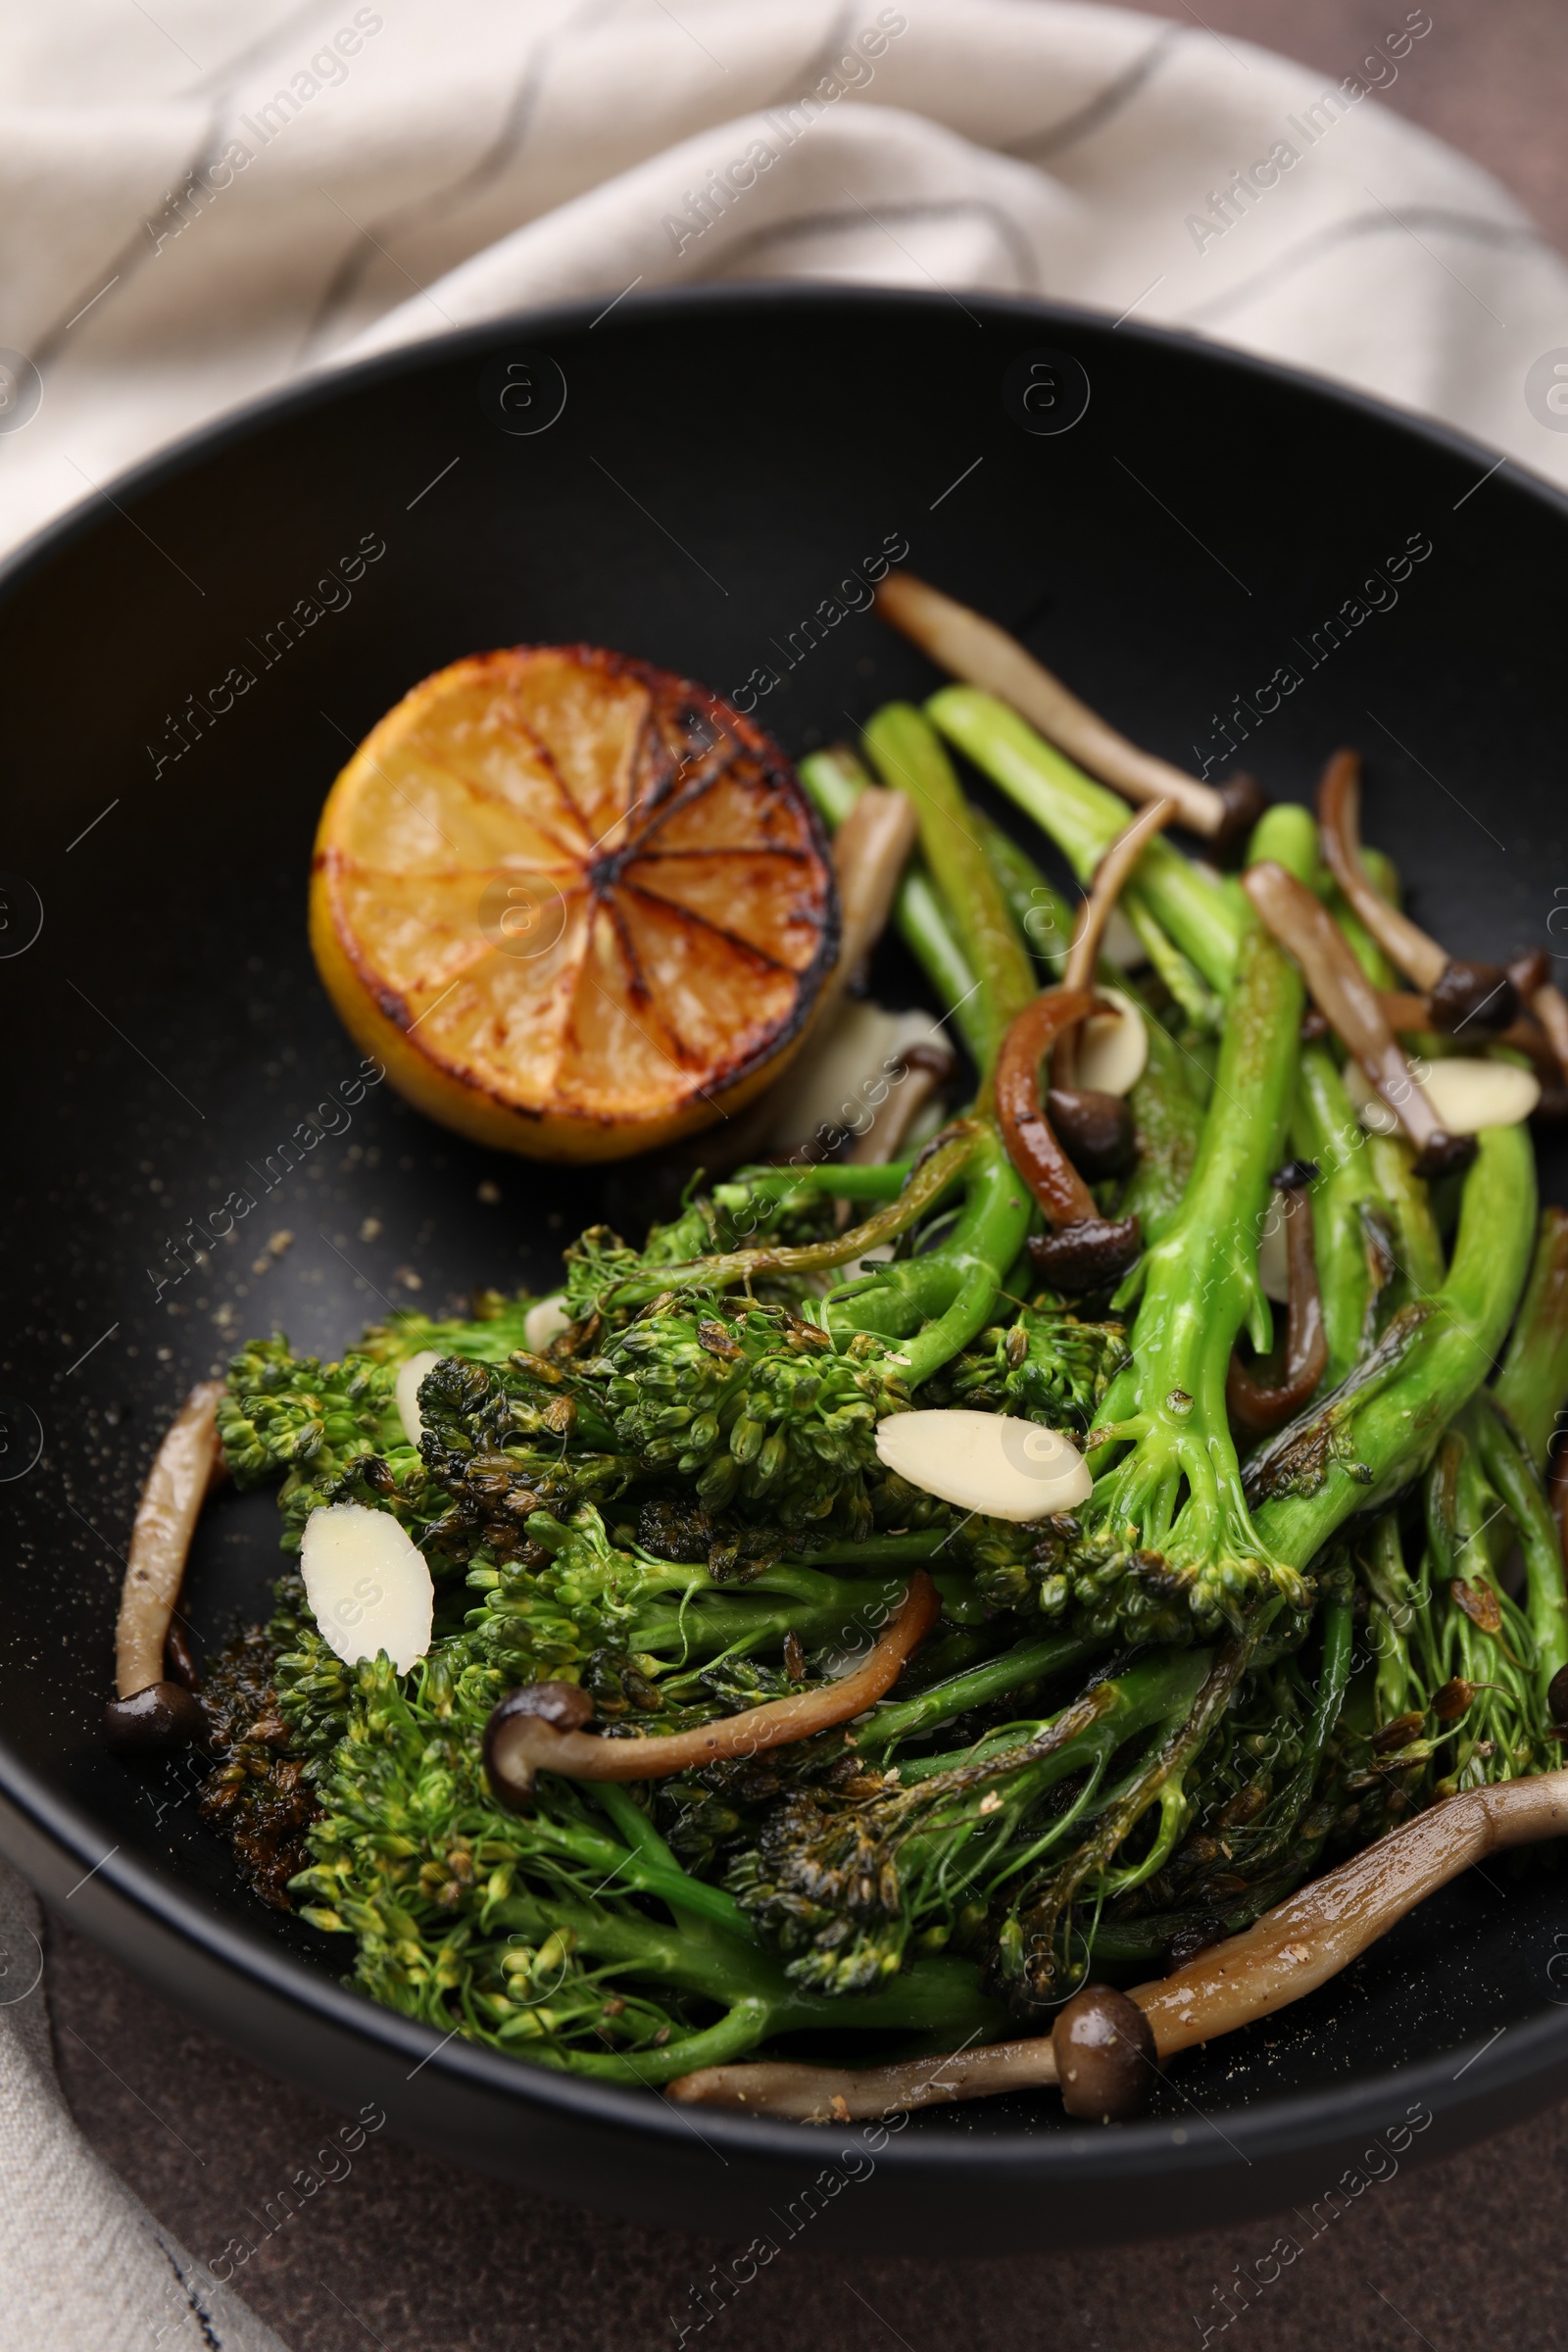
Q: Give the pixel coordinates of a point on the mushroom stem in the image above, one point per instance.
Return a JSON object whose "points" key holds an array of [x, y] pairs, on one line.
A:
{"points": [[928, 1067], [840, 2094], [1030, 1138], [1341, 991], [1289, 1953], [1255, 1404], [1111, 875], [1309, 1938], [1086, 1251], [147, 1711], [1458, 993], [870, 851], [1547, 1002], [1339, 810], [1403, 1009], [963, 642], [522, 1739]]}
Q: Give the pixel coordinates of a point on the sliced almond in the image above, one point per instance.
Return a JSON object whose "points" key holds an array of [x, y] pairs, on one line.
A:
{"points": [[545, 1322], [368, 1585], [1112, 1047], [408, 1392], [1121, 944], [1470, 1094], [991, 1462], [1466, 1095]]}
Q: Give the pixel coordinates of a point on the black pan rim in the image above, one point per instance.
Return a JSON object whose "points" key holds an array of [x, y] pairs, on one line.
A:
{"points": [[1536, 2046], [672, 304]]}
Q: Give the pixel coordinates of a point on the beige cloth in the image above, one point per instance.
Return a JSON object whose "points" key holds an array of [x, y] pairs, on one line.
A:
{"points": [[199, 201], [85, 2267]]}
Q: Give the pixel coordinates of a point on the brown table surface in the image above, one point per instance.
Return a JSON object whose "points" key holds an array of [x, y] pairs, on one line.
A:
{"points": [[419, 2256]]}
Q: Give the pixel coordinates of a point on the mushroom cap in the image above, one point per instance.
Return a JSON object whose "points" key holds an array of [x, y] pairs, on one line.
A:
{"points": [[1089, 1255], [1557, 1695], [564, 1705], [1468, 995], [153, 1722], [1096, 1130], [1104, 2048]]}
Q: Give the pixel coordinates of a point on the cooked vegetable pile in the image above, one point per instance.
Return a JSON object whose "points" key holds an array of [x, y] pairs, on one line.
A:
{"points": [[1275, 1615]]}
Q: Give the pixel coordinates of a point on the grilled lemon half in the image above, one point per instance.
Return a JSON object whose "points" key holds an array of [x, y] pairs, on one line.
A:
{"points": [[578, 906]]}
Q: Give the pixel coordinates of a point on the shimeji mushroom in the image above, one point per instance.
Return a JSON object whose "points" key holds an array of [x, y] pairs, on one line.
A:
{"points": [[1083, 1126], [1083, 1250], [542, 1727], [1289, 1953], [149, 1713], [1458, 994], [1343, 993], [977, 651], [1097, 1062]]}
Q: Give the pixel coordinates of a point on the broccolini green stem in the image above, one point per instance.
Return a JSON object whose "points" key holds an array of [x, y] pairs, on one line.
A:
{"points": [[1034, 1961], [1349, 1230], [922, 1190], [1041, 912], [1367, 1443], [1417, 1246], [1514, 1476], [934, 1303], [1179, 975], [1168, 1122], [1534, 1380], [1397, 1619], [758, 1997], [1201, 1288], [1084, 818], [835, 780], [738, 1623], [910, 758], [648, 1869], [1026, 1662]]}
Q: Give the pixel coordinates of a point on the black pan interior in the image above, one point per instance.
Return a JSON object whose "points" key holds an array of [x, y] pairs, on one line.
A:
{"points": [[1214, 554]]}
